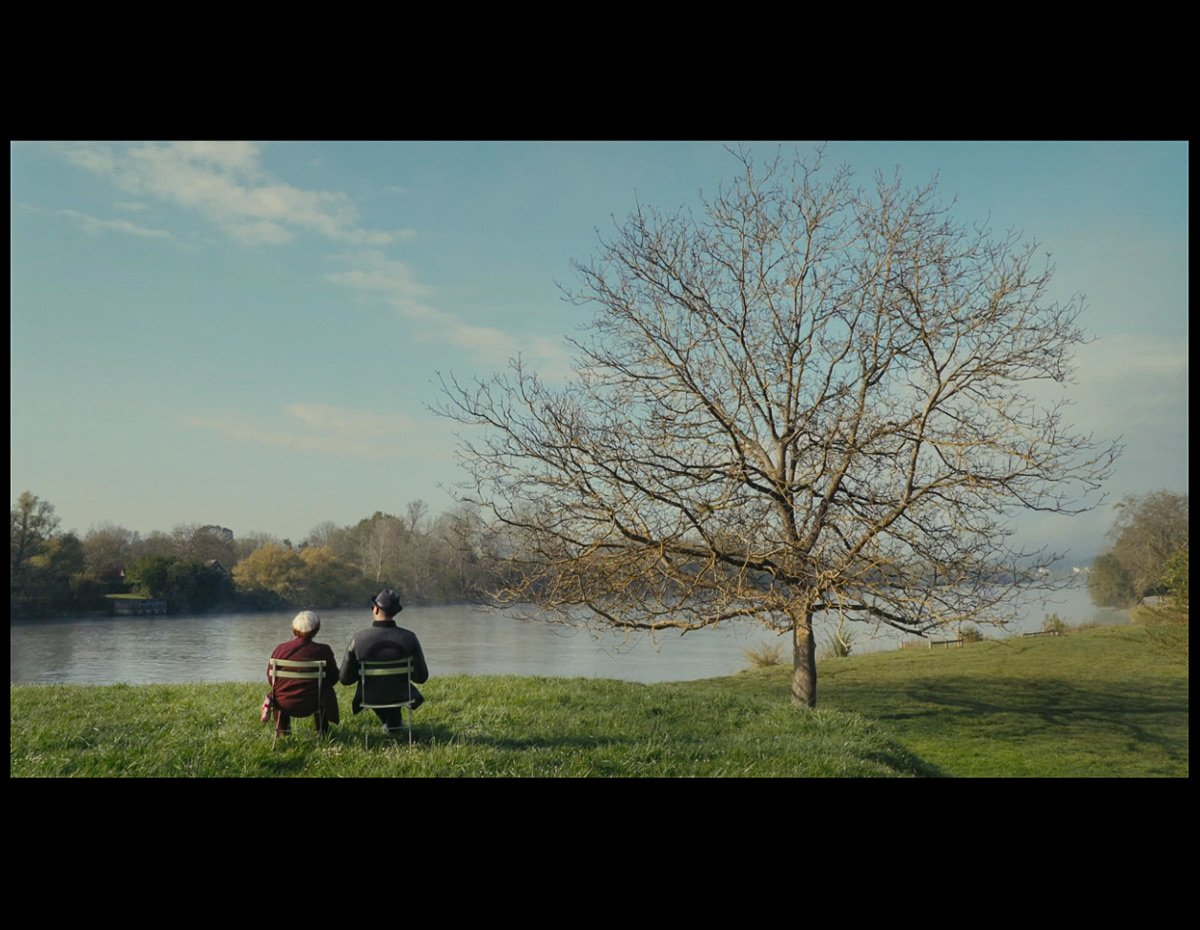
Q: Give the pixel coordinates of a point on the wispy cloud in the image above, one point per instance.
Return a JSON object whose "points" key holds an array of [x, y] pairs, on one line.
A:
{"points": [[389, 280], [1139, 381], [1136, 386], [346, 422], [95, 226], [319, 428], [393, 282], [225, 182]]}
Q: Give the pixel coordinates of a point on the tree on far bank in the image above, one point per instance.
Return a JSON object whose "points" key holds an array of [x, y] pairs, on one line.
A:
{"points": [[51, 571], [328, 582], [32, 525], [1148, 532], [109, 549], [205, 543], [150, 575], [271, 572], [247, 543], [380, 543], [1175, 578], [187, 585], [325, 533], [1109, 584], [806, 398]]}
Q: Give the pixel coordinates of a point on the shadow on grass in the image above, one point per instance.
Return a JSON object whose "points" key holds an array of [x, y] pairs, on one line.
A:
{"points": [[1047, 716]]}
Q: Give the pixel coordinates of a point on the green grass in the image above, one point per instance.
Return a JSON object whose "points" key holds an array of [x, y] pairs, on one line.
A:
{"points": [[1108, 702], [470, 726], [1112, 701]]}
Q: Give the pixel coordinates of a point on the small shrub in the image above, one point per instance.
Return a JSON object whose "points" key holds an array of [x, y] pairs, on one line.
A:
{"points": [[764, 655], [971, 634], [1053, 623], [839, 645]]}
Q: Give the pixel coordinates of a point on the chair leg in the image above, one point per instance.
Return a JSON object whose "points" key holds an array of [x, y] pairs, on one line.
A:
{"points": [[283, 725], [389, 729]]}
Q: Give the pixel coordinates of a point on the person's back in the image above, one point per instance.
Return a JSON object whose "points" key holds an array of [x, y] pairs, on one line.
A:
{"points": [[383, 640], [291, 697]]}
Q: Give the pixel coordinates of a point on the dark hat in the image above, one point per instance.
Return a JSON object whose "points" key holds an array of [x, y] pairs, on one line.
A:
{"points": [[388, 601]]}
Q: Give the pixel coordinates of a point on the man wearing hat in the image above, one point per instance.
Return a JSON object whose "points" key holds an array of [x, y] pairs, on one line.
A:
{"points": [[382, 641]]}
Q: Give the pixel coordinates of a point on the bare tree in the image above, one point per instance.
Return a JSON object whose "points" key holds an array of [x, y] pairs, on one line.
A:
{"points": [[415, 513], [809, 398], [249, 543], [204, 543], [381, 544], [325, 533], [108, 549]]}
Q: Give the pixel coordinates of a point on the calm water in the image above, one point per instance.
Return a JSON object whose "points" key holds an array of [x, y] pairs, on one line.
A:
{"points": [[457, 639]]}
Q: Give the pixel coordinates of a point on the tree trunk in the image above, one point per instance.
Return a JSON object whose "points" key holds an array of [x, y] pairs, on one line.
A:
{"points": [[804, 659]]}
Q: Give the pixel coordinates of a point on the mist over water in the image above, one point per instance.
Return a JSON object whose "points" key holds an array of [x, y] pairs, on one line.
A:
{"points": [[456, 639]]}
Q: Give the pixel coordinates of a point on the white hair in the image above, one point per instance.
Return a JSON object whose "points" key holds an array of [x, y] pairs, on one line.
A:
{"points": [[306, 623]]}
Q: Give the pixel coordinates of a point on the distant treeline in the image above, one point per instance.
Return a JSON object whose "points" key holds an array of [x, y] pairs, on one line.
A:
{"points": [[198, 568]]}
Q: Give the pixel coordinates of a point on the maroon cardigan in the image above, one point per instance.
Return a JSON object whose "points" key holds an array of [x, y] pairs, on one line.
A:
{"points": [[295, 696]]}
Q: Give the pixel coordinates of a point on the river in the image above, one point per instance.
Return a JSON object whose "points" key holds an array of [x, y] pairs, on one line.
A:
{"points": [[456, 639]]}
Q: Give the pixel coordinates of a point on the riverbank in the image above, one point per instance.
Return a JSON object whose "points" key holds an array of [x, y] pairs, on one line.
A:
{"points": [[1108, 702]]}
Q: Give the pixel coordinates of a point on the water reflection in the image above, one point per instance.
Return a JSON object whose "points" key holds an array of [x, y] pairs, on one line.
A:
{"points": [[456, 640]]}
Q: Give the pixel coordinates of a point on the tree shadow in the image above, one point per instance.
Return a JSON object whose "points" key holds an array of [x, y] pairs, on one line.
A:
{"points": [[1137, 715]]}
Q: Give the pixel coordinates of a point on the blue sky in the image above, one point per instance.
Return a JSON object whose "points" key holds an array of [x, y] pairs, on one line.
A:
{"points": [[248, 334]]}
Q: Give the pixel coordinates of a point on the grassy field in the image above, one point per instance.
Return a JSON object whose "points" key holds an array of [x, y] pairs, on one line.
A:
{"points": [[1109, 702], [1112, 701]]}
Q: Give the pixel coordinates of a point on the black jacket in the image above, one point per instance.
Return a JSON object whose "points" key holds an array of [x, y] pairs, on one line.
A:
{"points": [[381, 641]]}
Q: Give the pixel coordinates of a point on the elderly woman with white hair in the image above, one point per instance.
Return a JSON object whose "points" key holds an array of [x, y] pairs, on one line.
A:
{"points": [[294, 697]]}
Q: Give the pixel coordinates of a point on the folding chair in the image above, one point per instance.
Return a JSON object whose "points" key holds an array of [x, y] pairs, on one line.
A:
{"points": [[381, 672], [313, 671]]}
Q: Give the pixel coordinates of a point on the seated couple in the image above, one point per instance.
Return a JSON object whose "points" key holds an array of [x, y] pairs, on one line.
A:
{"points": [[383, 640]]}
